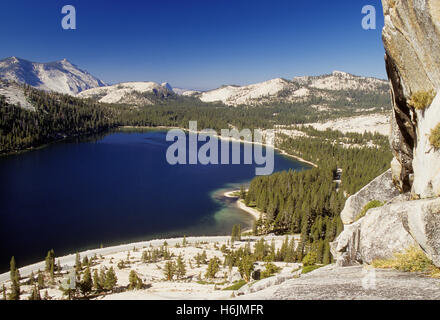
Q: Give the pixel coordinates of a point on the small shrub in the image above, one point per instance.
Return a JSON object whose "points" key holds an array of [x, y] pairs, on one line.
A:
{"points": [[368, 206], [412, 260], [434, 138], [422, 99], [270, 270], [310, 259], [308, 269], [236, 285]]}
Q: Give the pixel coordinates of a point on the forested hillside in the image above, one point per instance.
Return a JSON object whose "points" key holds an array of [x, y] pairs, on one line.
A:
{"points": [[57, 116], [309, 202]]}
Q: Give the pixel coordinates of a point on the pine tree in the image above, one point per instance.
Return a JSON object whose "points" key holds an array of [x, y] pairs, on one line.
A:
{"points": [[13, 268], [213, 268], [245, 267], [4, 292], [134, 281], [110, 279], [102, 277], [87, 282], [242, 192], [35, 295], [59, 268], [15, 280], [234, 234], [255, 228], [31, 278], [327, 259], [169, 270], [50, 260], [77, 263], [180, 267], [96, 281], [290, 253], [85, 262], [40, 280], [52, 273]]}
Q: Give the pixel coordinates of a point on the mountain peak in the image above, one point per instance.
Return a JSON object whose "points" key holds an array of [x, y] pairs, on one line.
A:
{"points": [[60, 76], [65, 61], [166, 85], [340, 73]]}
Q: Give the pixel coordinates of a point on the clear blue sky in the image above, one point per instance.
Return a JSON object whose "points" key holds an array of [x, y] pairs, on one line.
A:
{"points": [[197, 44]]}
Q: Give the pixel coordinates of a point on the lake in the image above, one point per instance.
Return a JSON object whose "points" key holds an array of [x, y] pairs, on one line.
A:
{"points": [[113, 189]]}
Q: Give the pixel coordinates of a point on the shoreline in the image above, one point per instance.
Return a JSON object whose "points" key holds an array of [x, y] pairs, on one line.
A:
{"points": [[255, 213], [69, 259], [232, 139]]}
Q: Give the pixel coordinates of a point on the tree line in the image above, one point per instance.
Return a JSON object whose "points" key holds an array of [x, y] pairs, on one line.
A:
{"points": [[58, 116]]}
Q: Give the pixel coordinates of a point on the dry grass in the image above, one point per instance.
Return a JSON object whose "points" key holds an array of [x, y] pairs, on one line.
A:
{"points": [[434, 138], [422, 99], [368, 206], [412, 260]]}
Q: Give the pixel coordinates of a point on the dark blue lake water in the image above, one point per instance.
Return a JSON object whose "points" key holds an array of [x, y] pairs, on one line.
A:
{"points": [[114, 189]]}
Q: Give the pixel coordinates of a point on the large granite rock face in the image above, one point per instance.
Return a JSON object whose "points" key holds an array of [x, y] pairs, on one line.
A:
{"points": [[381, 189], [426, 162], [378, 235], [422, 220], [412, 43], [411, 36], [352, 283]]}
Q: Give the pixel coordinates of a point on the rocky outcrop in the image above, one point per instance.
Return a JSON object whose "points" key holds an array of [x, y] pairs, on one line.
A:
{"points": [[426, 161], [352, 283], [412, 42], [378, 235], [381, 189], [286, 274], [422, 220]]}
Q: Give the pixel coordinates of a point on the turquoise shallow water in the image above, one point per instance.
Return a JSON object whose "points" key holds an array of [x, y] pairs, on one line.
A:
{"points": [[113, 189]]}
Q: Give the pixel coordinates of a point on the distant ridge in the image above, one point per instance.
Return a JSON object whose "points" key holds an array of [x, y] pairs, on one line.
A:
{"points": [[60, 76]]}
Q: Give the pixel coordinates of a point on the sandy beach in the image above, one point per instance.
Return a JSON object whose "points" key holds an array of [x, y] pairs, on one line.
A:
{"points": [[256, 214]]}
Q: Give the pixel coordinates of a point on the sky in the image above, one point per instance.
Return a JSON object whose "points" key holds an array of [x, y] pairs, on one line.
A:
{"points": [[197, 44]]}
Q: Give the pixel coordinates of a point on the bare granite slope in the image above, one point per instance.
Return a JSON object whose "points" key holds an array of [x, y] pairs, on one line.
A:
{"points": [[353, 283]]}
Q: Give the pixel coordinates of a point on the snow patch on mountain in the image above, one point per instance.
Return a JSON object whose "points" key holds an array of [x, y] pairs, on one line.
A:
{"points": [[135, 93], [339, 80], [236, 95], [59, 76], [298, 89]]}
